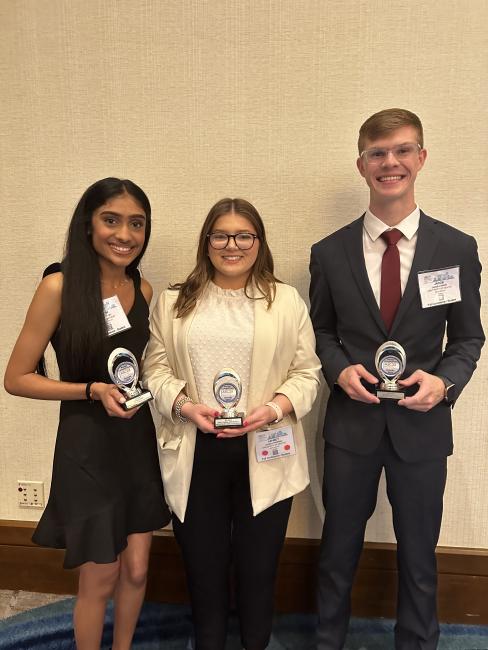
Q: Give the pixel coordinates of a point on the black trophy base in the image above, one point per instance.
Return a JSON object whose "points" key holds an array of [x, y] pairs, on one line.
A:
{"points": [[142, 398], [390, 394], [235, 422]]}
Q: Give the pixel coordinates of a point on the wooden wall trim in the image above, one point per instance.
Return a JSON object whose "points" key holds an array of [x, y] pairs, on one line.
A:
{"points": [[463, 575]]}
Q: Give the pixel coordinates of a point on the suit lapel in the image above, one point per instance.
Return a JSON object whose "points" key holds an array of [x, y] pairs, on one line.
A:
{"points": [[264, 345], [353, 243], [427, 241], [180, 329]]}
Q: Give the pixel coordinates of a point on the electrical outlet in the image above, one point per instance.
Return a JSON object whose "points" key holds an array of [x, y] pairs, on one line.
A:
{"points": [[31, 494]]}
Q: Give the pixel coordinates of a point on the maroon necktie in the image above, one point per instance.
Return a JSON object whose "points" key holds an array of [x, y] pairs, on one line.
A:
{"points": [[391, 289]]}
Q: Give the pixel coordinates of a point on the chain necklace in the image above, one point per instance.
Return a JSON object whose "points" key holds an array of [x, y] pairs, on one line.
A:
{"points": [[116, 285]]}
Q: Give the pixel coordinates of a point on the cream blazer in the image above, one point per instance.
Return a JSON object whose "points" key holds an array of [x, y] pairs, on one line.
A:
{"points": [[283, 361]]}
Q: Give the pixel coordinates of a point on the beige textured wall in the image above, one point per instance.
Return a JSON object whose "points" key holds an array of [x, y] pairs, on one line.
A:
{"points": [[195, 100]]}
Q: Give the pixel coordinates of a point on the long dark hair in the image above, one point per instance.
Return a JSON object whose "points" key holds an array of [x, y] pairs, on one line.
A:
{"points": [[82, 328], [262, 272]]}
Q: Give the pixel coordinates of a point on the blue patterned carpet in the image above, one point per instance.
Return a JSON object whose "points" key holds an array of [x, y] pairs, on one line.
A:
{"points": [[168, 627]]}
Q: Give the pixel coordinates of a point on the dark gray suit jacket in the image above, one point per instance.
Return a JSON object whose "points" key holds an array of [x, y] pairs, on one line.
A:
{"points": [[349, 329]]}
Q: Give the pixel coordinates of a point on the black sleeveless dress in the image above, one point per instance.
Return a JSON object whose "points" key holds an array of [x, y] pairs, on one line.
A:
{"points": [[106, 481]]}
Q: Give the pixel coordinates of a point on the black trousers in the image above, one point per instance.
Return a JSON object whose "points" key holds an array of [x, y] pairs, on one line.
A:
{"points": [[220, 531], [415, 492]]}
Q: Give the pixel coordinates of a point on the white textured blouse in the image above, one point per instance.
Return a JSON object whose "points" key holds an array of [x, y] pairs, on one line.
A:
{"points": [[221, 336]]}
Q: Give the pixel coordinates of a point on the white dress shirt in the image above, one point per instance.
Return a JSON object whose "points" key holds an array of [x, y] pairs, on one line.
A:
{"points": [[374, 247]]}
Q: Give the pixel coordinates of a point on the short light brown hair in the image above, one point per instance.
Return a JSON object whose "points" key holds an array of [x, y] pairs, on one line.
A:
{"points": [[384, 122]]}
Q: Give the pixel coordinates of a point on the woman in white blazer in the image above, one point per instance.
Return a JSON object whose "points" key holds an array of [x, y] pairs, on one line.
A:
{"points": [[230, 489]]}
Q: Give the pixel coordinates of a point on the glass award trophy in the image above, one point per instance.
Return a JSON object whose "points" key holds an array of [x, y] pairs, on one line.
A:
{"points": [[124, 372], [390, 362], [227, 388]]}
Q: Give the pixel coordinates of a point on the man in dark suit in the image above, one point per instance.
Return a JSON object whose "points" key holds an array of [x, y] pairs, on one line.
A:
{"points": [[393, 274]]}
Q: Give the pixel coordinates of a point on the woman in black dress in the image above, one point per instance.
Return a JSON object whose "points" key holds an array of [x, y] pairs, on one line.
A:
{"points": [[106, 493]]}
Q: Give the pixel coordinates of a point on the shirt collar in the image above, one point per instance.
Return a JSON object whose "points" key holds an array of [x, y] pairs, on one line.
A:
{"points": [[407, 226]]}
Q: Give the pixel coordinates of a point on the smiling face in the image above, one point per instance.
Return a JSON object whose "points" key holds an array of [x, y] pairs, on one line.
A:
{"points": [[391, 180], [232, 266], [118, 231]]}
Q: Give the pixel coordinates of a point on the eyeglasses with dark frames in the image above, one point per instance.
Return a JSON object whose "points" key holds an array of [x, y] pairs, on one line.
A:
{"points": [[243, 240]]}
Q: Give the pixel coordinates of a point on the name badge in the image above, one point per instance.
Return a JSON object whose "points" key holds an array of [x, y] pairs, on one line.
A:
{"points": [[115, 317], [439, 287], [274, 443]]}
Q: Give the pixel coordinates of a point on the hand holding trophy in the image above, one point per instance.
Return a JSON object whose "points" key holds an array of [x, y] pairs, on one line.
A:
{"points": [[124, 372]]}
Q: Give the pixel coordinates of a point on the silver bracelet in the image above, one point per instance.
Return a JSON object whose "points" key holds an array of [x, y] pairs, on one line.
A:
{"points": [[178, 406], [277, 409]]}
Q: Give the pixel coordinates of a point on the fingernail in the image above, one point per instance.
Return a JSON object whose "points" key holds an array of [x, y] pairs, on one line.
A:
{"points": [[216, 413], [245, 423]]}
